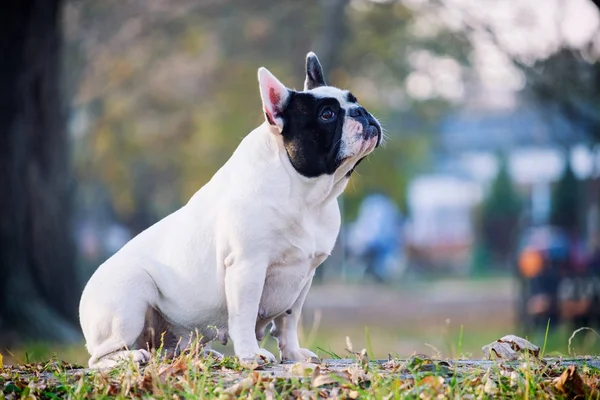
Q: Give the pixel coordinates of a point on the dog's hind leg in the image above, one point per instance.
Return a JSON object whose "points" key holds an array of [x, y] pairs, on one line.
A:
{"points": [[158, 334], [113, 314]]}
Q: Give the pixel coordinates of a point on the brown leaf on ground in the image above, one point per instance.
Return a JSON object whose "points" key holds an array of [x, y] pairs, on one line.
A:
{"points": [[357, 374], [520, 345], [270, 391], [319, 379], [302, 369], [510, 347], [362, 356], [237, 388], [177, 367], [145, 382], [391, 364], [329, 379], [434, 382], [571, 384], [490, 386]]}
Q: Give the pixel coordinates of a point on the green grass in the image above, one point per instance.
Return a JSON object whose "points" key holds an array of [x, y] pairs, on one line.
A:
{"points": [[417, 376], [190, 376], [330, 342]]}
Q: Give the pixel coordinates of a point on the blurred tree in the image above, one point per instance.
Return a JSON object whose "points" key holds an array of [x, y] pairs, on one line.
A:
{"points": [[500, 216], [565, 204], [568, 82], [565, 82], [38, 284], [332, 34], [169, 90]]}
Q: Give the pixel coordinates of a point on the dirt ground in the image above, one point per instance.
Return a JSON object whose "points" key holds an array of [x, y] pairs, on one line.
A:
{"points": [[431, 301]]}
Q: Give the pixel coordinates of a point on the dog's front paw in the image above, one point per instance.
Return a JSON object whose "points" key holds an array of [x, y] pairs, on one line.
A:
{"points": [[297, 354], [260, 358]]}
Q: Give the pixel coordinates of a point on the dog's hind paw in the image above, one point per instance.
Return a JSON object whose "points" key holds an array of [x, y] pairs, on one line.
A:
{"points": [[114, 359], [212, 353], [298, 354]]}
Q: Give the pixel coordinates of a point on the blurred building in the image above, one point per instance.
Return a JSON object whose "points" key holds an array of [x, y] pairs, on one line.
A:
{"points": [[442, 204]]}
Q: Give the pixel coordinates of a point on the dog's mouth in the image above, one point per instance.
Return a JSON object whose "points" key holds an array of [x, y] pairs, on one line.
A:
{"points": [[372, 131]]}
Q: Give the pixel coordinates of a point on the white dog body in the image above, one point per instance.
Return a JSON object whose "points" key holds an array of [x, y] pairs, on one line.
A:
{"points": [[239, 255]]}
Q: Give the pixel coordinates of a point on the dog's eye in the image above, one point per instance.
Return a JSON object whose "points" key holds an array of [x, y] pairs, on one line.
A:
{"points": [[327, 114]]}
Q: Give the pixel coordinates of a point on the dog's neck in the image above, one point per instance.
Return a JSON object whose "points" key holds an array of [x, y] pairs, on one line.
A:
{"points": [[313, 191]]}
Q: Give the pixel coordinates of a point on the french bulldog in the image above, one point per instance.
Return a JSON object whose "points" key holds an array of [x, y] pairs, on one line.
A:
{"points": [[241, 254]]}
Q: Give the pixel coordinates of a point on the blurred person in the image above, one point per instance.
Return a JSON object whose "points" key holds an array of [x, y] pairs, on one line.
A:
{"points": [[375, 237]]}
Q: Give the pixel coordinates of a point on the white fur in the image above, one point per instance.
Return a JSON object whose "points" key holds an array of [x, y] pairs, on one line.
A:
{"points": [[331, 91], [246, 245]]}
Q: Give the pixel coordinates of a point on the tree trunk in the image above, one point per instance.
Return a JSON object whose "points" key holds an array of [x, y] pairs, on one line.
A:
{"points": [[39, 288], [333, 33]]}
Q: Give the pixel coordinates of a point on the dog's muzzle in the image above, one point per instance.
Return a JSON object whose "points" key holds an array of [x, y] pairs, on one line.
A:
{"points": [[371, 127]]}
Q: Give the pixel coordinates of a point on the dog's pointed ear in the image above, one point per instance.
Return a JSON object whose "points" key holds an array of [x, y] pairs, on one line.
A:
{"points": [[314, 72], [274, 97]]}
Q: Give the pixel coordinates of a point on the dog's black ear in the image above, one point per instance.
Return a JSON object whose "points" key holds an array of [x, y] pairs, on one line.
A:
{"points": [[314, 72]]}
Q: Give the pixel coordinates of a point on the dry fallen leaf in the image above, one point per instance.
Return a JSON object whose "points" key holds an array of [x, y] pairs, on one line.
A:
{"points": [[363, 358], [237, 388], [510, 347], [177, 367], [270, 391], [516, 379], [499, 350], [331, 378], [570, 383], [145, 382], [319, 379], [349, 346], [519, 344], [474, 382], [302, 369], [357, 374], [435, 382], [391, 364], [489, 386]]}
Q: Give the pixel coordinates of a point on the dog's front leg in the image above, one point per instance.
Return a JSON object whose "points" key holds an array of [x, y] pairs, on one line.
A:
{"points": [[244, 282], [285, 330]]}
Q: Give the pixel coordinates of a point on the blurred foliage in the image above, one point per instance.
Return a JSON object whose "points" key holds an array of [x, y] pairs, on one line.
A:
{"points": [[164, 91], [565, 203], [568, 82], [500, 214]]}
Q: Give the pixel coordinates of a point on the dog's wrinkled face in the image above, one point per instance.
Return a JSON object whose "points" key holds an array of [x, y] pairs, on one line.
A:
{"points": [[322, 127]]}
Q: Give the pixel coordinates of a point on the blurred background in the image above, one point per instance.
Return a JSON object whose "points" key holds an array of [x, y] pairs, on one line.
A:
{"points": [[479, 218]]}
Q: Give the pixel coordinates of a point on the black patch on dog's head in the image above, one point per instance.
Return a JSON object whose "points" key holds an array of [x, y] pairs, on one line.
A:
{"points": [[312, 141], [350, 98]]}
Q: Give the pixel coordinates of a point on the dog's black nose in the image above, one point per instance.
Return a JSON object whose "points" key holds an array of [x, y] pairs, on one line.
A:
{"points": [[357, 112]]}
